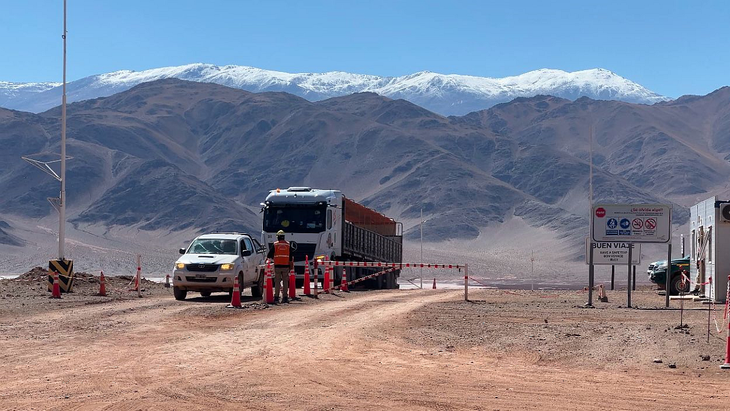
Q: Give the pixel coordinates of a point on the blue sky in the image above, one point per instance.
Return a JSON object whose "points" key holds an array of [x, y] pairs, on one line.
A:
{"points": [[671, 47]]}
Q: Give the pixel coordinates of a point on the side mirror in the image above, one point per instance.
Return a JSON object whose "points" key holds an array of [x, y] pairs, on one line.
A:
{"points": [[182, 251], [246, 253]]}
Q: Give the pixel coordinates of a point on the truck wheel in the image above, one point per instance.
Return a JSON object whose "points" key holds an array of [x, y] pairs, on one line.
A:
{"points": [[257, 290], [179, 294], [675, 286], [205, 293]]}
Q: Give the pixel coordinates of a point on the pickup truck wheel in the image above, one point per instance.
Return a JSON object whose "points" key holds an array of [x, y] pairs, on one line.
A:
{"points": [[179, 294], [675, 286], [205, 293], [257, 290]]}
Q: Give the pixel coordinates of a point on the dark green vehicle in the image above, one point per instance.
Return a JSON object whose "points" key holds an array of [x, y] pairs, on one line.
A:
{"points": [[658, 270]]}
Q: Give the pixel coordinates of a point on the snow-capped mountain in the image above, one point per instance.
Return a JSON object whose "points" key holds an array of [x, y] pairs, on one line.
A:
{"points": [[442, 93]]}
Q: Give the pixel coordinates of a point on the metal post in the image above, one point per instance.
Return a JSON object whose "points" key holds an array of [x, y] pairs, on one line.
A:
{"points": [[532, 271], [613, 273], [421, 224], [590, 274], [633, 281], [139, 275], [591, 268], [466, 282], [668, 273], [628, 288], [62, 205]]}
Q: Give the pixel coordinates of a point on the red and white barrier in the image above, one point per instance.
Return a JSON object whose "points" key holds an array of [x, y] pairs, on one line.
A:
{"points": [[400, 266], [726, 366]]}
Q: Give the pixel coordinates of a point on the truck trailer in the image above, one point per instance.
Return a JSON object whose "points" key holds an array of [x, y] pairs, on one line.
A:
{"points": [[325, 223]]}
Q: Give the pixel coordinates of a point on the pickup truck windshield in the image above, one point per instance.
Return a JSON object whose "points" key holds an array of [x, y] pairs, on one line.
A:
{"points": [[294, 219], [212, 246]]}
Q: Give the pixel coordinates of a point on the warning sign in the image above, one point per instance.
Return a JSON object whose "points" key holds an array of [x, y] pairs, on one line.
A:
{"points": [[632, 223], [613, 253]]}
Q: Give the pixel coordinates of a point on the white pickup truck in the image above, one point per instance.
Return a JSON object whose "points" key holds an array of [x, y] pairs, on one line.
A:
{"points": [[212, 261]]}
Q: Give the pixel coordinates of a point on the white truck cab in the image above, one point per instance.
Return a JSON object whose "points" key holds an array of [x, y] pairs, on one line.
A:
{"points": [[212, 261], [311, 218]]}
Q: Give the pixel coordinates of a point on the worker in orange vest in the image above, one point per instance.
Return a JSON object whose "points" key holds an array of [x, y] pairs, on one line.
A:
{"points": [[283, 262]]}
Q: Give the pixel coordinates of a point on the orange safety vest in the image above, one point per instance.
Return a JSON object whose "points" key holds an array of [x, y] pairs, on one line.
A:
{"points": [[281, 253]]}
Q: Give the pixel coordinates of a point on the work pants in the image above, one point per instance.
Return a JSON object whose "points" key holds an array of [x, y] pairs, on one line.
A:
{"points": [[281, 274]]}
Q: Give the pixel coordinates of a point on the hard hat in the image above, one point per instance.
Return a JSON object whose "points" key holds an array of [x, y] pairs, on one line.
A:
{"points": [[280, 233]]}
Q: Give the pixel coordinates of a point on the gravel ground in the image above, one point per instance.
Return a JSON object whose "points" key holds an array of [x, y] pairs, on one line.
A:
{"points": [[391, 350]]}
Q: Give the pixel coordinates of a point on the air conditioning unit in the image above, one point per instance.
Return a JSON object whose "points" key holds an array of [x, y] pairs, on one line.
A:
{"points": [[725, 212]]}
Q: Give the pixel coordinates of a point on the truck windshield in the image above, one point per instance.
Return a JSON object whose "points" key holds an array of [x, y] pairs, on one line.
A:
{"points": [[212, 246], [294, 219]]}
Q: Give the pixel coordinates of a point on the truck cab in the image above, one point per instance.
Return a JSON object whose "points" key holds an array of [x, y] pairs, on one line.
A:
{"points": [[312, 219]]}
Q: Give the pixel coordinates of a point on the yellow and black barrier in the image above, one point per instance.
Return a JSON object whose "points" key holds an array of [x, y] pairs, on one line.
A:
{"points": [[65, 270]]}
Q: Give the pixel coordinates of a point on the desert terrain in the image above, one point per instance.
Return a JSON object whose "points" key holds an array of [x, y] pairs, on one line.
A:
{"points": [[396, 349]]}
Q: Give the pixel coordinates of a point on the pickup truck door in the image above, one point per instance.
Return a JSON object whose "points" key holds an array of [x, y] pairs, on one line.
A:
{"points": [[249, 261]]}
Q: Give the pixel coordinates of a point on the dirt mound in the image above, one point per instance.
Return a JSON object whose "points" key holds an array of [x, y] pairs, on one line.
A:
{"points": [[37, 274]]}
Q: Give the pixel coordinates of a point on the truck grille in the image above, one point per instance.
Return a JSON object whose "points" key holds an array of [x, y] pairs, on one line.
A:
{"points": [[203, 268], [201, 280]]}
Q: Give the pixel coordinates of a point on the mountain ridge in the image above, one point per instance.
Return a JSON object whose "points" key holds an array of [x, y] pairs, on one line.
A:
{"points": [[448, 94]]}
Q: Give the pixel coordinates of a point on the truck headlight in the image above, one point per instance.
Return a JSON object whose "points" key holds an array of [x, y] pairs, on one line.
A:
{"points": [[180, 266], [226, 267]]}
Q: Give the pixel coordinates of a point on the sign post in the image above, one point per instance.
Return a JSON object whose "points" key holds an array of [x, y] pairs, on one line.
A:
{"points": [[668, 274], [634, 223], [628, 289], [591, 272]]}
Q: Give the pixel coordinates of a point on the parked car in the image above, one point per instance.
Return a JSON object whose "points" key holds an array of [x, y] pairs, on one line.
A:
{"points": [[657, 272], [212, 261]]}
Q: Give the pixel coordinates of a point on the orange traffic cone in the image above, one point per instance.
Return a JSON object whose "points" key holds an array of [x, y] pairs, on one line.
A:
{"points": [[434, 283], [292, 284], [56, 286], [326, 282], [102, 285], [236, 297], [307, 291], [343, 284], [269, 284]]}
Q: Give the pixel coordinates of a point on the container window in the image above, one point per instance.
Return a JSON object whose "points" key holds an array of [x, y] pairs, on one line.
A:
{"points": [[329, 219]]}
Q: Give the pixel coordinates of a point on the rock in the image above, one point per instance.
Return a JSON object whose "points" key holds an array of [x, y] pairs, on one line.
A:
{"points": [[657, 361], [705, 357], [672, 365]]}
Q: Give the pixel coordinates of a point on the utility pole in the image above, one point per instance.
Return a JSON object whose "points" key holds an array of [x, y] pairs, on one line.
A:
{"points": [[591, 268], [62, 197]]}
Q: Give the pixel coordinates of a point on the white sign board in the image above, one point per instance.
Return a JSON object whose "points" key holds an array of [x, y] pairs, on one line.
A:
{"points": [[613, 253], [632, 223]]}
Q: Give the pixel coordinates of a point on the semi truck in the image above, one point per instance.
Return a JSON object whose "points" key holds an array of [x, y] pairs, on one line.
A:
{"points": [[326, 224]]}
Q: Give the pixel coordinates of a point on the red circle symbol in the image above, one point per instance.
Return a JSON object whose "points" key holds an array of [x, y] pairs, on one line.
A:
{"points": [[650, 223], [637, 224], [600, 212]]}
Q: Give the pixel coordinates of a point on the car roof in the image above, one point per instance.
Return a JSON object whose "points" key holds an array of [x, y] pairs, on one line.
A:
{"points": [[223, 236]]}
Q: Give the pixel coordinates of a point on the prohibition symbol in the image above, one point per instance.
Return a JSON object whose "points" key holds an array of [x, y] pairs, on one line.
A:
{"points": [[650, 223], [600, 212], [637, 224]]}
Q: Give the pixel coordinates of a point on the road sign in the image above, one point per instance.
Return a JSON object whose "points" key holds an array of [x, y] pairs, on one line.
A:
{"points": [[632, 223], [614, 253]]}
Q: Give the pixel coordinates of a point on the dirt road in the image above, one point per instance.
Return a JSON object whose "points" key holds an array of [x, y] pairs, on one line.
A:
{"points": [[364, 350]]}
